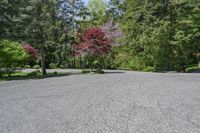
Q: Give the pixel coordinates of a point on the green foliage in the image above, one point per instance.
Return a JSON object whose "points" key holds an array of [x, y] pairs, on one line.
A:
{"points": [[93, 62], [85, 71], [36, 67], [52, 66], [158, 35], [62, 67], [14, 74], [12, 55], [119, 57], [97, 9], [149, 69], [137, 63], [35, 73], [99, 71], [193, 69], [27, 66], [55, 73], [198, 57], [163, 35]]}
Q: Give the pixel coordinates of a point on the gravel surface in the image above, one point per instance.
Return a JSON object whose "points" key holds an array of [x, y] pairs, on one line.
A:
{"points": [[115, 102]]}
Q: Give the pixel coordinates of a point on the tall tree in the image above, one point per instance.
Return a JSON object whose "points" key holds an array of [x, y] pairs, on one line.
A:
{"points": [[42, 16], [97, 9], [11, 18], [156, 35]]}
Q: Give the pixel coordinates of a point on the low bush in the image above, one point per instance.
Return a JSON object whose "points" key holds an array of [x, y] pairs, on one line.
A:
{"points": [[36, 67], [27, 66], [85, 71], [149, 69], [35, 73], [136, 63], [55, 73], [193, 69], [2, 72], [12, 55], [62, 67], [52, 66], [7, 71], [99, 71]]}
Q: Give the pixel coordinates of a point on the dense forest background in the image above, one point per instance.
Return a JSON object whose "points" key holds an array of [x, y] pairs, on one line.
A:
{"points": [[157, 35]]}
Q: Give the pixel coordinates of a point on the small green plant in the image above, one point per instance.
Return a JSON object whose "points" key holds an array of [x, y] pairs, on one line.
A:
{"points": [[55, 73], [99, 71], [198, 57], [2, 72], [136, 63], [149, 69], [35, 73], [27, 66], [62, 67], [36, 67], [52, 66]]}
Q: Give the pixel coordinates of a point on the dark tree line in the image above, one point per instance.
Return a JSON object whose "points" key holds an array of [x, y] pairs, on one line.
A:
{"points": [[159, 34]]}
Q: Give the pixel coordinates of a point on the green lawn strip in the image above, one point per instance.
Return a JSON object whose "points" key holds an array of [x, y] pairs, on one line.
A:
{"points": [[22, 75]]}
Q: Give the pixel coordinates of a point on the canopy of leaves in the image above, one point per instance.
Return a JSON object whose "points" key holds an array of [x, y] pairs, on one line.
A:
{"points": [[33, 53], [95, 42], [12, 54]]}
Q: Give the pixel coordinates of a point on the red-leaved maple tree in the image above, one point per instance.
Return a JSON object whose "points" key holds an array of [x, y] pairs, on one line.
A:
{"points": [[94, 41], [31, 51]]}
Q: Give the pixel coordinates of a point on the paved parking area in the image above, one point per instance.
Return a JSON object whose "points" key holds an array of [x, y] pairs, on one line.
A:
{"points": [[115, 102]]}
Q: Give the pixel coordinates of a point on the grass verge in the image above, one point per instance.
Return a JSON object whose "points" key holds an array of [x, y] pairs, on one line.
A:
{"points": [[193, 69], [24, 76]]}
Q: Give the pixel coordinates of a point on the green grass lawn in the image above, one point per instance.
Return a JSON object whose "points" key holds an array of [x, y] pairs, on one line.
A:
{"points": [[33, 75]]}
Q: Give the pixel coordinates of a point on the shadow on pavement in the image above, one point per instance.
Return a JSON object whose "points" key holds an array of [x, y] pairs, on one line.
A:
{"points": [[113, 72], [35, 77]]}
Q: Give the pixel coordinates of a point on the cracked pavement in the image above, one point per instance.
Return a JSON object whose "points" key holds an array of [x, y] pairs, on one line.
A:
{"points": [[126, 102]]}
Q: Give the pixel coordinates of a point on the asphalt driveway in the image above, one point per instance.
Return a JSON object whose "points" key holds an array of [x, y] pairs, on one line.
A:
{"points": [[116, 102]]}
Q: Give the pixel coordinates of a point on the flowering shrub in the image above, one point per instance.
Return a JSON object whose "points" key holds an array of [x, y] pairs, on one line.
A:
{"points": [[33, 53], [112, 31], [94, 42]]}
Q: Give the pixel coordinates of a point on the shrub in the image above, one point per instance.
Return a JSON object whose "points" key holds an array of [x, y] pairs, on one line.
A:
{"points": [[96, 44], [27, 66], [149, 69], [85, 71], [136, 64], [198, 57], [99, 71], [193, 69], [12, 55], [2, 72], [35, 73], [36, 67], [62, 67], [55, 73], [52, 66]]}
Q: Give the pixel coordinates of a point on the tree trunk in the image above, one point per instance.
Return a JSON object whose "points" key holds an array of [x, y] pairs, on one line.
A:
{"points": [[42, 59]]}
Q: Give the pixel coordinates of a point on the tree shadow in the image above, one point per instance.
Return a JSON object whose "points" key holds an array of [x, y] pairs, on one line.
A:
{"points": [[113, 72], [36, 77]]}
